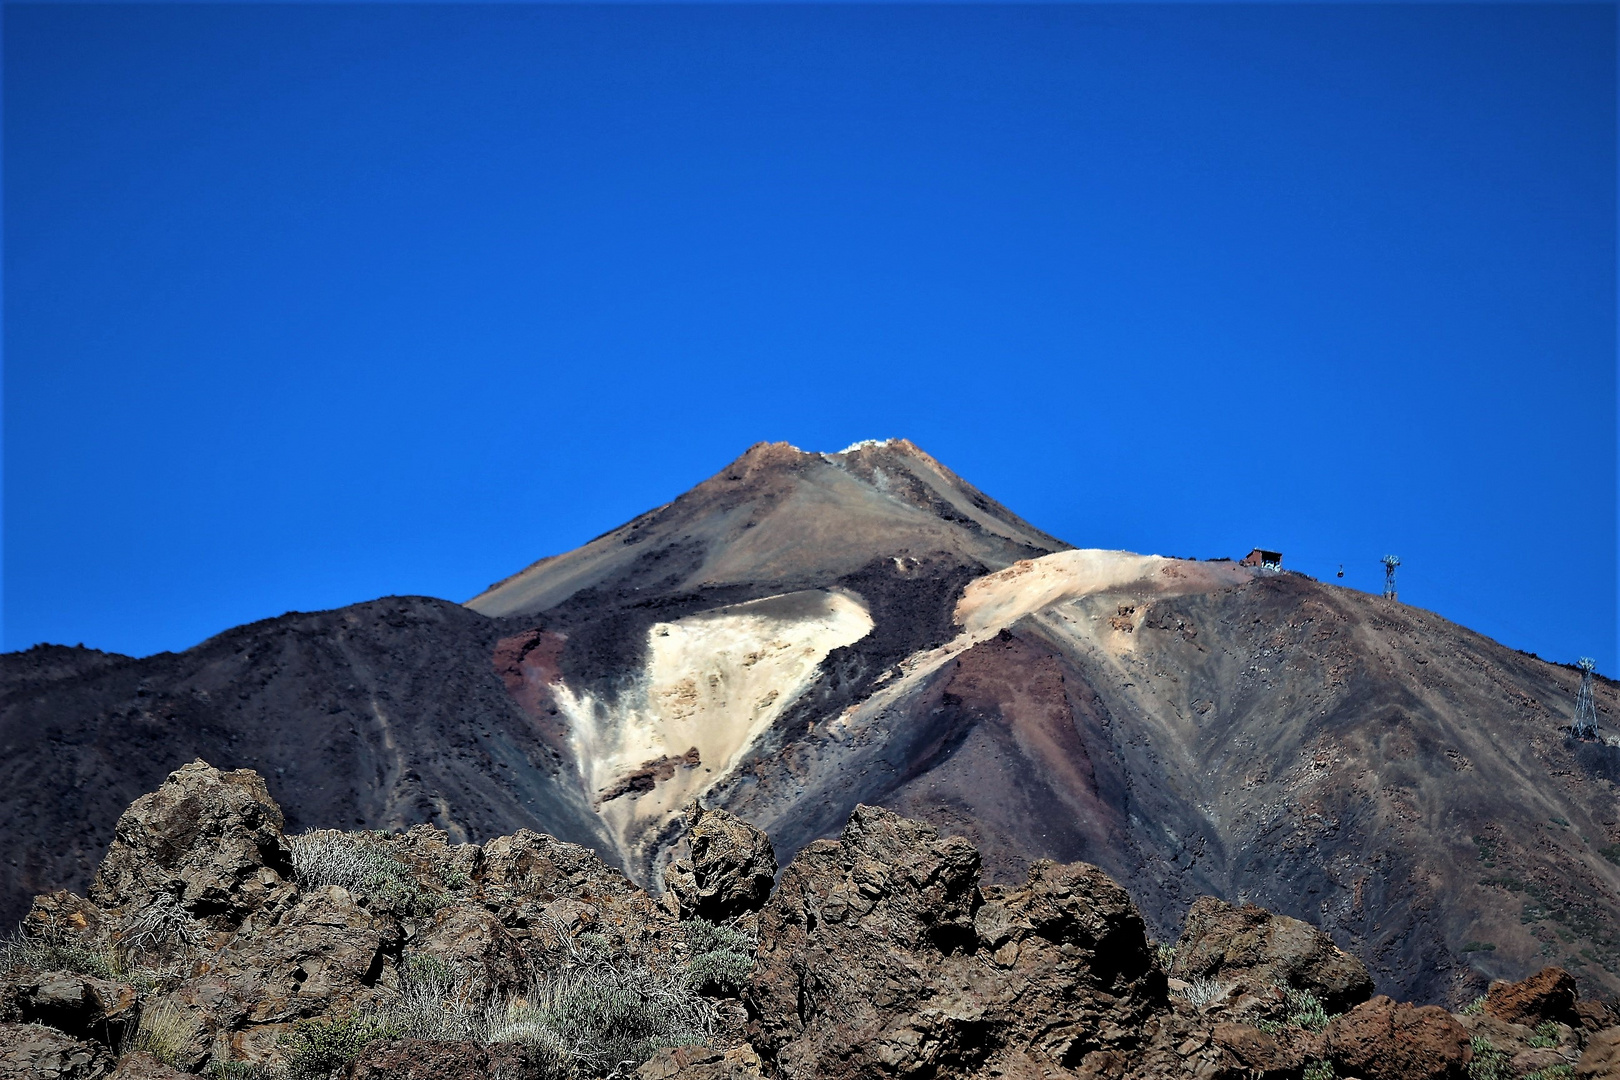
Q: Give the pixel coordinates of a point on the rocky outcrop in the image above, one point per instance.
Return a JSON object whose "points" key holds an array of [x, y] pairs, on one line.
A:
{"points": [[80, 1005], [1548, 996], [878, 954], [1386, 1040], [1601, 1059], [39, 1052], [208, 839], [427, 1059], [1250, 944], [729, 869]]}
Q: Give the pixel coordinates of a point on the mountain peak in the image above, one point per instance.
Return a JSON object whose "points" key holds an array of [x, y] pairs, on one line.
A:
{"points": [[779, 517]]}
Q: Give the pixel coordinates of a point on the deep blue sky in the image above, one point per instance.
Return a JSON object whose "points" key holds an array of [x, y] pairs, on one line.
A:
{"points": [[310, 304]]}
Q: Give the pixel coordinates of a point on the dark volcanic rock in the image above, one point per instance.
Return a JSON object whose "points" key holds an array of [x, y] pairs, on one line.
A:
{"points": [[36, 1052], [1260, 948], [1547, 996], [80, 1005], [1384, 1040], [878, 955], [208, 838], [729, 870], [424, 1059]]}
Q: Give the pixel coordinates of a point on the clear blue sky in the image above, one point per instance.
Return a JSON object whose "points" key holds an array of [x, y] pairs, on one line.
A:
{"points": [[306, 305]]}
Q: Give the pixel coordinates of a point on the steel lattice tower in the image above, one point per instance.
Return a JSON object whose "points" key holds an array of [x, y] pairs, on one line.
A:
{"points": [[1585, 726], [1390, 563]]}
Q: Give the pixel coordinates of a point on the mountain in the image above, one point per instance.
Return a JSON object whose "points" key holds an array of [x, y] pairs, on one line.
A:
{"points": [[806, 632]]}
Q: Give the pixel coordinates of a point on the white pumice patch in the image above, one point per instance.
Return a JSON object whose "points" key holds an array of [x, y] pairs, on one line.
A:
{"points": [[713, 681]]}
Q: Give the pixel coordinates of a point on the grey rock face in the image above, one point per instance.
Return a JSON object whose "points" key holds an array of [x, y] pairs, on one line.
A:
{"points": [[729, 872], [36, 1052], [211, 840]]}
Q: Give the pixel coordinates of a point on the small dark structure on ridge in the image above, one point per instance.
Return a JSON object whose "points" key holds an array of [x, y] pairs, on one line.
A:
{"points": [[1266, 560]]}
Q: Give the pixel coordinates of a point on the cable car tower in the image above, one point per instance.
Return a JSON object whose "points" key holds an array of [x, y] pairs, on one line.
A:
{"points": [[1585, 726], [1390, 563]]}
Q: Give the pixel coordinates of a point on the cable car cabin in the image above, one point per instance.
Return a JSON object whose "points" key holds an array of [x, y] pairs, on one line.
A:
{"points": [[1265, 560]]}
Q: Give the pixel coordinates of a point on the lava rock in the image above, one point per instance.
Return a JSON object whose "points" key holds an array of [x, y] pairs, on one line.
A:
{"points": [[701, 1063], [1601, 1059], [1548, 995], [424, 1059], [729, 872], [81, 1006], [879, 955], [139, 1065], [1259, 947], [210, 839], [37, 1052], [1384, 1040]]}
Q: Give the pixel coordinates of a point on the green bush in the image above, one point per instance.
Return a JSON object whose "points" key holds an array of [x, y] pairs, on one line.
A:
{"points": [[319, 1049], [722, 957], [1552, 1072], [1318, 1070], [1489, 1063], [361, 863], [1546, 1036], [1475, 1007], [1305, 1011]]}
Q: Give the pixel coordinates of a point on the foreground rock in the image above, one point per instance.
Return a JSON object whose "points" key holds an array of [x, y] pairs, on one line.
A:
{"points": [[216, 943], [878, 955], [43, 1053], [729, 870], [1257, 947], [1385, 1040]]}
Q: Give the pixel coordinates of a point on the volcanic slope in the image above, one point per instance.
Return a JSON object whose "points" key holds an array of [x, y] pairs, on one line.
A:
{"points": [[804, 632], [1192, 727]]}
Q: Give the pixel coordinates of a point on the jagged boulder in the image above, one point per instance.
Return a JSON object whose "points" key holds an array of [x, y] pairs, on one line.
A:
{"points": [[208, 839], [79, 1005], [729, 870], [1547, 996], [1601, 1059], [1382, 1039], [1250, 944], [878, 955], [37, 1052]]}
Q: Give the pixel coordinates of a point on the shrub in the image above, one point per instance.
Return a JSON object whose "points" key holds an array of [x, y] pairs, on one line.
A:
{"points": [[1552, 1072], [1165, 954], [33, 955], [1318, 1070], [722, 957], [1546, 1036], [605, 1019], [1489, 1063], [318, 1049], [1475, 1007], [164, 1032], [1202, 990], [1305, 1011], [162, 922], [361, 863]]}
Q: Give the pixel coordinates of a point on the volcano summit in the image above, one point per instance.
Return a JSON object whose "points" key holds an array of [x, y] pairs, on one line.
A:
{"points": [[805, 632]]}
